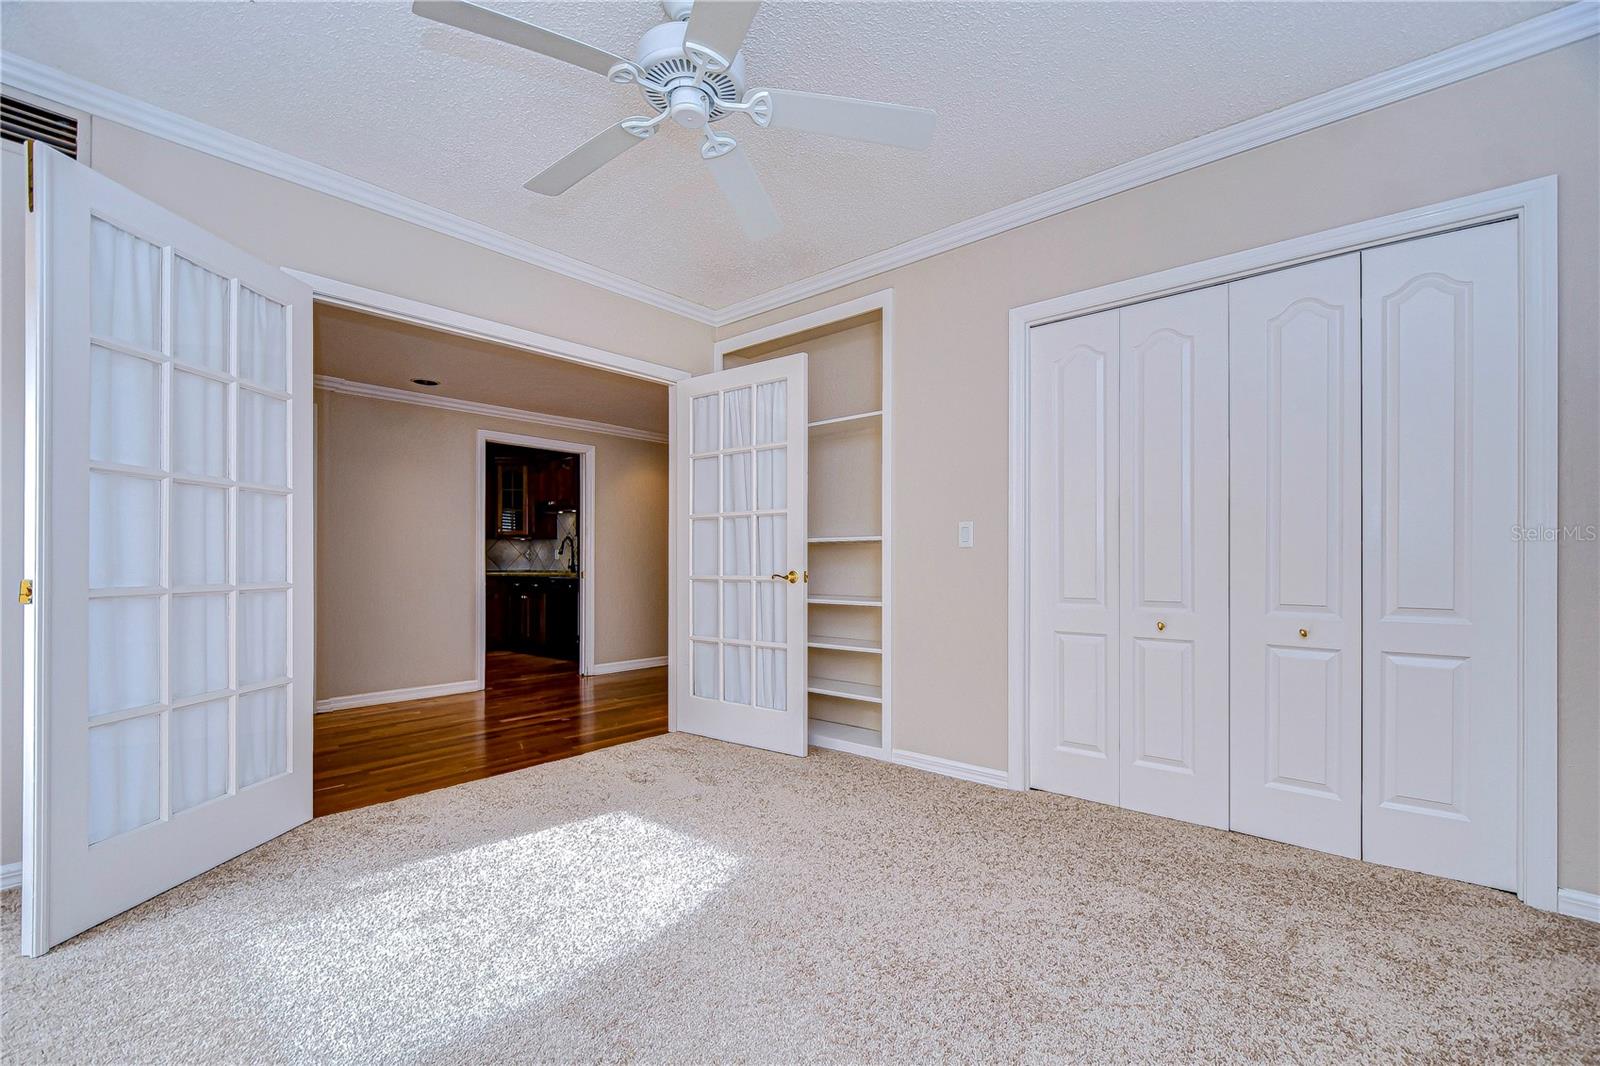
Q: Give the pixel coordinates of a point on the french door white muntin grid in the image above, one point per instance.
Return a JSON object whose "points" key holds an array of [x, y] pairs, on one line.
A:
{"points": [[740, 435], [257, 392]]}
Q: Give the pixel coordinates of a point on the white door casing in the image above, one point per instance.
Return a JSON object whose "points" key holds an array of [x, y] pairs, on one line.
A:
{"points": [[168, 654], [1440, 442], [1295, 539], [739, 451], [1073, 477], [1174, 556]]}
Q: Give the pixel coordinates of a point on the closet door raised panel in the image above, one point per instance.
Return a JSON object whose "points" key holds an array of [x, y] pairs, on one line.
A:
{"points": [[1295, 636], [1440, 443], [1074, 593], [1174, 556]]}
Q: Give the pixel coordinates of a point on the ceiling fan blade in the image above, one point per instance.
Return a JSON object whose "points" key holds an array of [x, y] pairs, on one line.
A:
{"points": [[589, 157], [489, 23], [742, 186], [720, 25], [844, 116]]}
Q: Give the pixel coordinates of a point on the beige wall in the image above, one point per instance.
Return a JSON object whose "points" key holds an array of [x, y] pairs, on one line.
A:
{"points": [[950, 370], [398, 546]]}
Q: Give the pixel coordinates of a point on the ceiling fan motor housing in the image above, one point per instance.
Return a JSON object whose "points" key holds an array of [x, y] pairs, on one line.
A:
{"points": [[664, 63]]}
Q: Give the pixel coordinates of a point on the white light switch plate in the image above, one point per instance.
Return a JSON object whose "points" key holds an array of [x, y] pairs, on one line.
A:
{"points": [[964, 534]]}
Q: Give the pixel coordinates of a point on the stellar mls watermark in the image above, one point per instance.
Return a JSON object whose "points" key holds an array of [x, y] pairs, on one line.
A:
{"points": [[1561, 534]]}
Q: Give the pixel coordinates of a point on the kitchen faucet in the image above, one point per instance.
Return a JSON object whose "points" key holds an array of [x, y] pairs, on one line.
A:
{"points": [[572, 563]]}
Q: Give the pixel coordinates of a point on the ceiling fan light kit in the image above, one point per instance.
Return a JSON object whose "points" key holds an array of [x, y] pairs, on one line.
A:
{"points": [[690, 69]]}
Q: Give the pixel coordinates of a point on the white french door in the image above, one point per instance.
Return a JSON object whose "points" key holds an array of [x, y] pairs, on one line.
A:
{"points": [[738, 453], [1075, 596], [168, 531], [1295, 619], [1440, 440], [1174, 551]]}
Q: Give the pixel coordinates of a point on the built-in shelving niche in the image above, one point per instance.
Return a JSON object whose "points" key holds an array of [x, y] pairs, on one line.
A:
{"points": [[847, 593]]}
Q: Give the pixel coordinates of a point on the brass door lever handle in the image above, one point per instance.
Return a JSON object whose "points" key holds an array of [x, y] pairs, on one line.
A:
{"points": [[791, 577]]}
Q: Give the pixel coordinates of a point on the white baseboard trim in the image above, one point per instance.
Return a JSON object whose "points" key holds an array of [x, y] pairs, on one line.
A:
{"points": [[398, 695], [10, 876], [983, 775], [624, 665], [1576, 904]]}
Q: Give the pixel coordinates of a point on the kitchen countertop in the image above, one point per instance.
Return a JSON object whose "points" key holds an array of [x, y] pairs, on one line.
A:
{"points": [[567, 574]]}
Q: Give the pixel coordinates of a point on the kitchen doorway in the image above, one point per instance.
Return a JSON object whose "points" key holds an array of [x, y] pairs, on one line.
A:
{"points": [[535, 598]]}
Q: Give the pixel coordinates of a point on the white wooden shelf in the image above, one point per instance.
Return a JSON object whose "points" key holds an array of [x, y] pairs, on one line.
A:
{"points": [[836, 736], [824, 426], [872, 539], [845, 690], [845, 601], [866, 647]]}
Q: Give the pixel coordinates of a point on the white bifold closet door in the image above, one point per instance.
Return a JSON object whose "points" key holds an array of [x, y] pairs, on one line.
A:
{"points": [[1295, 620], [1440, 453], [1174, 557], [1074, 595], [168, 527]]}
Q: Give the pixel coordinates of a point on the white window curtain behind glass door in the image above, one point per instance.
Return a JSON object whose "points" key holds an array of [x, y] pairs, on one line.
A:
{"points": [[751, 481], [165, 465]]}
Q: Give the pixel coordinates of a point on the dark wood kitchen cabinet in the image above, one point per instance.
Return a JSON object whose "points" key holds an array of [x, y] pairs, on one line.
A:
{"points": [[536, 614], [527, 489], [555, 489]]}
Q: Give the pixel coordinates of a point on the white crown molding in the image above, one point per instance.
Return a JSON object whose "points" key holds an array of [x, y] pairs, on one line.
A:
{"points": [[33, 77], [1532, 37], [328, 383], [1525, 39]]}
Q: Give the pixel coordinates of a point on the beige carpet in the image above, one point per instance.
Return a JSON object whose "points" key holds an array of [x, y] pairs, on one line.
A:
{"points": [[683, 900]]}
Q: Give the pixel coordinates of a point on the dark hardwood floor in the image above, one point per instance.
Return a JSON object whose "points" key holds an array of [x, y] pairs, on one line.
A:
{"points": [[533, 710]]}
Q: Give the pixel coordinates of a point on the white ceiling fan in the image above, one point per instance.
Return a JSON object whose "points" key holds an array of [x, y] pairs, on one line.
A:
{"points": [[690, 69]]}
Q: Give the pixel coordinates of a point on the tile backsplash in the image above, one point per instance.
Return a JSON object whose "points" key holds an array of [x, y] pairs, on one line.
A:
{"points": [[505, 554]]}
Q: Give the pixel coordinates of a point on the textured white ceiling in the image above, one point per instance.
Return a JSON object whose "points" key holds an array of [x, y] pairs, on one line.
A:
{"points": [[1030, 96], [381, 351]]}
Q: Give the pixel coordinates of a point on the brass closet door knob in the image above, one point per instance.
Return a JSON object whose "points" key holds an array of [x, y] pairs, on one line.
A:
{"points": [[1161, 626], [791, 577], [1304, 633]]}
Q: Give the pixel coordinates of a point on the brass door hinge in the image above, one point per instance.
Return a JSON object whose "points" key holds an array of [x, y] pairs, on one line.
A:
{"points": [[25, 591]]}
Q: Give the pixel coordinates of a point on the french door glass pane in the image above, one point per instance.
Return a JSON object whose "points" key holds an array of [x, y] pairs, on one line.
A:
{"points": [[737, 492], [771, 673], [772, 420], [736, 673], [124, 531], [772, 472], [263, 341], [705, 424], [705, 670], [703, 555], [772, 545], [199, 657], [124, 776], [199, 426], [772, 624], [263, 735], [199, 535], [703, 618], [736, 624], [124, 653], [199, 745], [124, 287], [263, 645], [263, 439], [704, 498], [124, 409], [199, 316], [263, 538], [736, 546], [736, 409]]}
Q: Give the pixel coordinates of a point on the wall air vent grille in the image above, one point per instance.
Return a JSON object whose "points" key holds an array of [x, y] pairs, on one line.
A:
{"points": [[22, 121]]}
